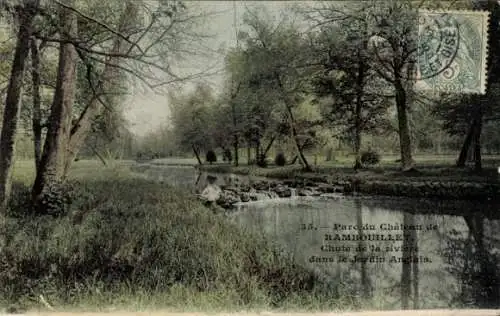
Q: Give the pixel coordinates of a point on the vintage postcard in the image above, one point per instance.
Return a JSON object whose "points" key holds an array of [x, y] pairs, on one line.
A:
{"points": [[247, 158]]}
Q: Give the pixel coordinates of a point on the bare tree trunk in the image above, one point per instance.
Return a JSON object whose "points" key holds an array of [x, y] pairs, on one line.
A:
{"points": [[249, 154], [51, 167], [101, 158], [472, 143], [295, 135], [266, 150], [462, 158], [357, 139], [37, 112], [257, 152], [478, 166], [236, 151], [197, 154], [236, 143], [300, 153], [12, 108], [108, 79], [407, 162], [357, 113]]}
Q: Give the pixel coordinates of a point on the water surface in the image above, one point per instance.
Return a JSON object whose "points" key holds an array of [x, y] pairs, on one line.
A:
{"points": [[396, 251]]}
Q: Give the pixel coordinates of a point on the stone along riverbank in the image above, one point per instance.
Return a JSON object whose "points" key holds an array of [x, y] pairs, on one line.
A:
{"points": [[271, 188]]}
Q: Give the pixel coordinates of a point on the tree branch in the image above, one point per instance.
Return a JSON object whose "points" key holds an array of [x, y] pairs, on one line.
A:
{"points": [[101, 24]]}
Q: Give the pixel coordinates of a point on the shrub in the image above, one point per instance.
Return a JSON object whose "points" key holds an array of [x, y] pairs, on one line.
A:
{"points": [[280, 159], [228, 155], [370, 157], [211, 156], [262, 161], [54, 201]]}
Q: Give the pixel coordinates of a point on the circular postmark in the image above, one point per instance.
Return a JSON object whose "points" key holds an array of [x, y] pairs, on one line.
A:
{"points": [[438, 44]]}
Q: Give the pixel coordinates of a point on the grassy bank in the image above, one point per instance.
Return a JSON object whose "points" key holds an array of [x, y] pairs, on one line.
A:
{"points": [[440, 168], [127, 243]]}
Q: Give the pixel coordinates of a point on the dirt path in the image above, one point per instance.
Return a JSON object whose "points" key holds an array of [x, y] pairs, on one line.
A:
{"points": [[368, 313]]}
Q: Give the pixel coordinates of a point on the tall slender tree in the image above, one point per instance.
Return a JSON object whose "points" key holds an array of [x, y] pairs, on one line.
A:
{"points": [[25, 15]]}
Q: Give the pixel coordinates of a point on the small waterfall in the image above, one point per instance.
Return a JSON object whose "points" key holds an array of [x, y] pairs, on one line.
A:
{"points": [[293, 192], [262, 196], [273, 195]]}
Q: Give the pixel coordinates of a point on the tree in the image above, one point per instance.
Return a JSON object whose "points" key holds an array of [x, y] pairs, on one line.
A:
{"points": [[254, 109], [37, 111], [51, 167], [191, 119], [397, 66], [482, 105], [385, 36], [106, 83], [136, 39], [219, 125], [346, 79], [395, 47], [25, 14], [233, 86], [115, 42], [275, 57]]}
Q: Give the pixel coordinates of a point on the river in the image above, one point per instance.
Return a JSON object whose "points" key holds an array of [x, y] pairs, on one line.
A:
{"points": [[364, 243]]}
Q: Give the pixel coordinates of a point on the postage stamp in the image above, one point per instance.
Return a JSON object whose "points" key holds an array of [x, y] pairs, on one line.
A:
{"points": [[452, 51]]}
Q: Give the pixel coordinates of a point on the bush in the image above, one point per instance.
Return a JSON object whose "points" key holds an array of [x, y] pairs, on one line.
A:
{"points": [[227, 155], [211, 157], [370, 157], [280, 159], [262, 161]]}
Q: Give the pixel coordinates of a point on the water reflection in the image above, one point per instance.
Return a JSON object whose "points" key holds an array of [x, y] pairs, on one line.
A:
{"points": [[399, 259], [398, 253]]}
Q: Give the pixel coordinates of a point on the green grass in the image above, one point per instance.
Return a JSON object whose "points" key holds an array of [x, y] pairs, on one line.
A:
{"points": [[127, 243]]}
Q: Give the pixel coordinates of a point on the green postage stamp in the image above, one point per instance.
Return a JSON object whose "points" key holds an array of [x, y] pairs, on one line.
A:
{"points": [[452, 51]]}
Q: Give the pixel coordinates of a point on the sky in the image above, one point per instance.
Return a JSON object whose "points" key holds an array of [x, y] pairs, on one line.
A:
{"points": [[147, 110]]}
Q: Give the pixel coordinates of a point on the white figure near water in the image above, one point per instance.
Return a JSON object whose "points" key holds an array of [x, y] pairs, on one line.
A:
{"points": [[212, 191]]}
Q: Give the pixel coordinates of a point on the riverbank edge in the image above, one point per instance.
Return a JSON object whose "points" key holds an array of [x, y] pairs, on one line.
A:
{"points": [[379, 185]]}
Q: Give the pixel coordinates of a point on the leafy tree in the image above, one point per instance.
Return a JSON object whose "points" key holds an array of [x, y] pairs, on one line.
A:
{"points": [[276, 55], [191, 119], [234, 98], [253, 106], [394, 45], [110, 44], [219, 125], [346, 79]]}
